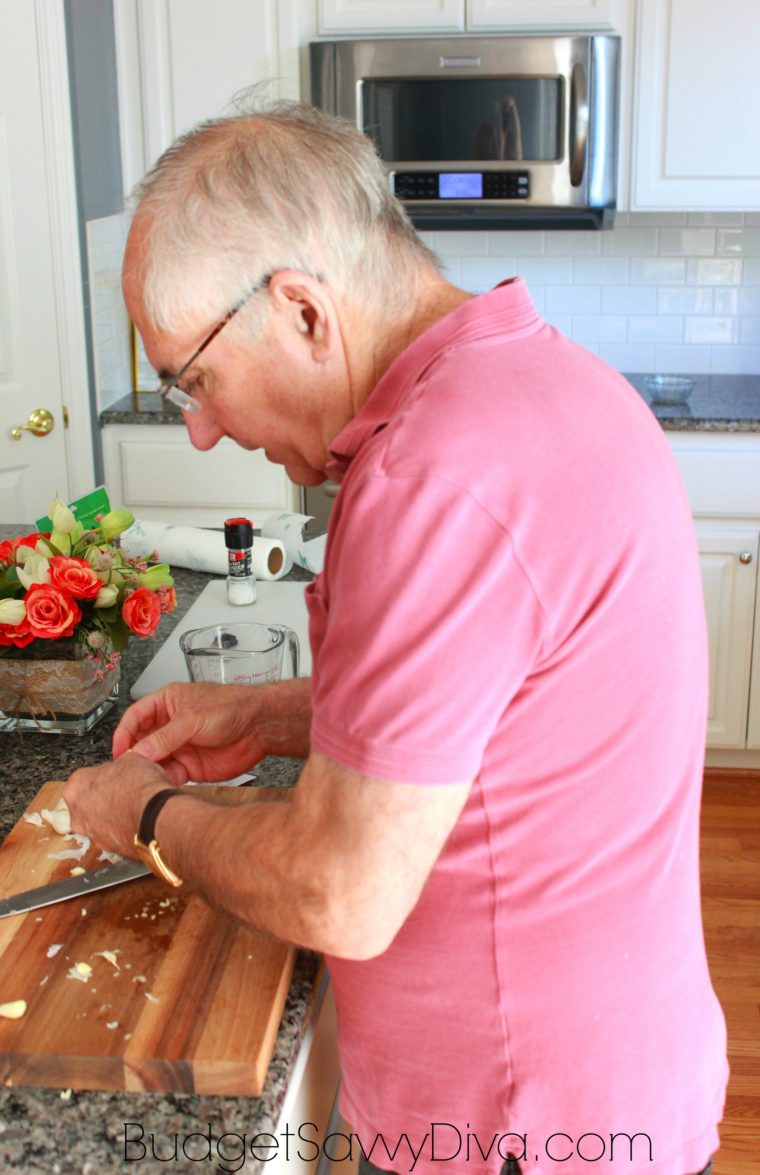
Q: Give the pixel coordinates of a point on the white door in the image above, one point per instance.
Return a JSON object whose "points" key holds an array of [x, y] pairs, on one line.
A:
{"points": [[33, 468]]}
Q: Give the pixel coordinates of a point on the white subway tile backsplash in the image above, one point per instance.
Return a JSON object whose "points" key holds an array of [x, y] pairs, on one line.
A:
{"points": [[629, 299], [750, 331], [600, 271], [686, 242], [675, 359], [483, 273], [555, 271], [739, 300], [655, 328], [630, 242], [658, 271], [685, 300], [712, 330], [573, 299], [717, 219], [628, 356], [735, 360], [658, 219], [573, 244], [744, 242], [516, 244], [671, 292], [600, 328], [714, 271], [458, 244]]}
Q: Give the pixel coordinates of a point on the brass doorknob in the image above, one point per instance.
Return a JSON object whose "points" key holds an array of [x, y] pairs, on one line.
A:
{"points": [[40, 422]]}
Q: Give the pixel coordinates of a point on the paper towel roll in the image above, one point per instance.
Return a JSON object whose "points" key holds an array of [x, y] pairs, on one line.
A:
{"points": [[201, 550]]}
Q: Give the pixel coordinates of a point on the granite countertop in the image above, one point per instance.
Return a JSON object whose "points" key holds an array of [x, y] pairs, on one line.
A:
{"points": [[719, 403], [46, 1131]]}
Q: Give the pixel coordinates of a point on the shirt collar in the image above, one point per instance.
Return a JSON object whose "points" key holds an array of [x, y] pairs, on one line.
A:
{"points": [[508, 308]]}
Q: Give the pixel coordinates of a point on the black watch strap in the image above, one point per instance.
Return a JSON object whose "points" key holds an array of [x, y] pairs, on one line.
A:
{"points": [[146, 845], [147, 830]]}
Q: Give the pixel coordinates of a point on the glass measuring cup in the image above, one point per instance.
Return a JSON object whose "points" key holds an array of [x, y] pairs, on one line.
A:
{"points": [[240, 653]]}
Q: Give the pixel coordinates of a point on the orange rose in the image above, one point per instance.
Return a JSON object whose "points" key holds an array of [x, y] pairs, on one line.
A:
{"points": [[74, 576], [9, 547], [50, 613], [141, 612], [18, 636]]}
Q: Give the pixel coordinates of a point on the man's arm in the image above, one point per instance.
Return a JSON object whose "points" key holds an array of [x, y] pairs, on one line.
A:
{"points": [[338, 869]]}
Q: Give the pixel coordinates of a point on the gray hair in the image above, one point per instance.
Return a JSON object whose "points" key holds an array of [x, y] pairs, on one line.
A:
{"points": [[285, 187]]}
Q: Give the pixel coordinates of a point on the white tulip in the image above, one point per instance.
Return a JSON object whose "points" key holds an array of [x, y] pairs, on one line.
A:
{"points": [[106, 596], [60, 516], [36, 569], [12, 611]]}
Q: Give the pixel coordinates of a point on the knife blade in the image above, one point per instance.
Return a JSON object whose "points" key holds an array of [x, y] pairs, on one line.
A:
{"points": [[73, 887]]}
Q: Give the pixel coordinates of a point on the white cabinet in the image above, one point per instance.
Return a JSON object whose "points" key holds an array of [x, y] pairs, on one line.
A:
{"points": [[523, 16], [728, 557], [448, 16], [182, 61], [721, 472], [697, 131], [390, 16], [153, 470]]}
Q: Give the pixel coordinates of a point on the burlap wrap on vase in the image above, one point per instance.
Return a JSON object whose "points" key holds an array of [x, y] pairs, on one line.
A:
{"points": [[48, 690]]}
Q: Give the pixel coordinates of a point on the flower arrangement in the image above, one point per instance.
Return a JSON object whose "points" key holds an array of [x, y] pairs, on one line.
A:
{"points": [[74, 587]]}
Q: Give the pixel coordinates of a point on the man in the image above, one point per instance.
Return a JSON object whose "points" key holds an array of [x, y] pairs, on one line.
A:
{"points": [[494, 839]]}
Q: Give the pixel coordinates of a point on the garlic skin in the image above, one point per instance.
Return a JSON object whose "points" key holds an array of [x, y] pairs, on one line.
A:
{"points": [[13, 1010]]}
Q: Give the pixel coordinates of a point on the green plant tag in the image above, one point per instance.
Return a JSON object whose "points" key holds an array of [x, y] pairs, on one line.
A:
{"points": [[84, 509]]}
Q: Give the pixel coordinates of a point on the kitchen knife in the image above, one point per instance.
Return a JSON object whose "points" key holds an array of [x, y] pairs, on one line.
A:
{"points": [[73, 887]]}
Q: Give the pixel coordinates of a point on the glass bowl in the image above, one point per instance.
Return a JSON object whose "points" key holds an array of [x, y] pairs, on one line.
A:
{"points": [[669, 389]]}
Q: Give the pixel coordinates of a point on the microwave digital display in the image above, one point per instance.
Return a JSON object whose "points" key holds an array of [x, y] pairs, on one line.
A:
{"points": [[460, 185], [464, 119]]}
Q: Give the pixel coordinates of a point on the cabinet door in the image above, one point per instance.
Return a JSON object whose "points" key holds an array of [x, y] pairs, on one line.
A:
{"points": [[728, 557], [508, 15], [390, 16], [753, 724], [154, 471], [697, 134], [183, 61]]}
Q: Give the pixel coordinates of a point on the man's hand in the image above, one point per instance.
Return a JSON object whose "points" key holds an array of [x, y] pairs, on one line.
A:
{"points": [[196, 731], [106, 802]]}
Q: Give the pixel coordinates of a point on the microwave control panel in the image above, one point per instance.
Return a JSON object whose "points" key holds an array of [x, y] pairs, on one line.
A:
{"points": [[461, 185]]}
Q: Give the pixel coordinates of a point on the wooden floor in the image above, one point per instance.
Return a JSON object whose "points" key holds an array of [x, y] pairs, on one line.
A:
{"points": [[731, 908]]}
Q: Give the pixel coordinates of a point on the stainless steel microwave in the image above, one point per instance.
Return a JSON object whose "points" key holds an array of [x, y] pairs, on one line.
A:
{"points": [[494, 132]]}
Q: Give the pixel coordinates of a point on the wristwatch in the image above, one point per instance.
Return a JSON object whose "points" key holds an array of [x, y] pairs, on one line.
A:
{"points": [[145, 840]]}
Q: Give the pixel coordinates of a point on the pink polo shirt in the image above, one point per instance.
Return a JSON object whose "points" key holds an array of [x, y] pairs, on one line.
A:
{"points": [[512, 595]]}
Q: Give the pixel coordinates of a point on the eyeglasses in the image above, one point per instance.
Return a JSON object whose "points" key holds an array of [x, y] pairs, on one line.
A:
{"points": [[169, 389]]}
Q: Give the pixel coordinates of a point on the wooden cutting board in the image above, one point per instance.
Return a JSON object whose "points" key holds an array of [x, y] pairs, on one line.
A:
{"points": [[195, 1000]]}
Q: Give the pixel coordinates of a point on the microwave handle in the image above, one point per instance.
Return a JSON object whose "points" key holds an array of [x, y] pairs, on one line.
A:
{"points": [[578, 124]]}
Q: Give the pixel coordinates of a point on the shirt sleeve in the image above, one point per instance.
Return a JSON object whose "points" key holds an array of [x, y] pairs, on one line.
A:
{"points": [[424, 625]]}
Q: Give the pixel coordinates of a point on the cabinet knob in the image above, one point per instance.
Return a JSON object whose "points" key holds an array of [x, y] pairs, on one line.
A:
{"points": [[745, 557]]}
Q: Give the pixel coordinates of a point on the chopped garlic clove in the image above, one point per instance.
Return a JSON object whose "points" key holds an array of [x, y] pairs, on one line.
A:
{"points": [[13, 1010], [111, 858], [58, 817], [53, 950], [34, 818], [109, 956], [80, 971]]}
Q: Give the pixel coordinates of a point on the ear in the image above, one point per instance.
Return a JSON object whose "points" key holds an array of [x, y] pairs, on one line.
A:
{"points": [[309, 308]]}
